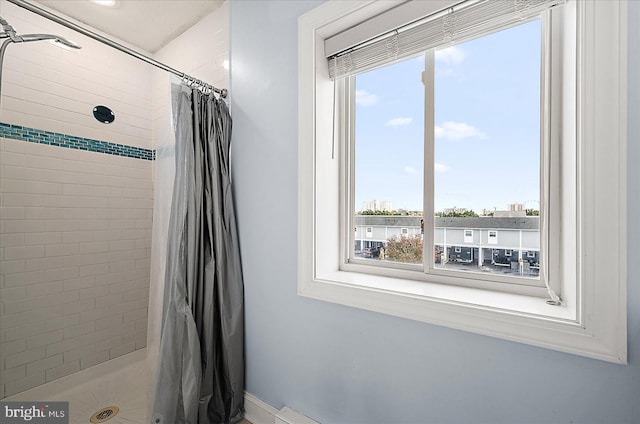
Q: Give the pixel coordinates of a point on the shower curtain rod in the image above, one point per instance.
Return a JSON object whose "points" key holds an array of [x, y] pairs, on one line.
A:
{"points": [[55, 18]]}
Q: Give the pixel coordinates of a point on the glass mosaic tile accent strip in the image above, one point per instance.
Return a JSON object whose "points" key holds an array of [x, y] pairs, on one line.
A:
{"points": [[34, 135]]}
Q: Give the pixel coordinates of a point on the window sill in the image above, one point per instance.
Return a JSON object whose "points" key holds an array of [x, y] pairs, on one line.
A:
{"points": [[427, 293], [519, 318]]}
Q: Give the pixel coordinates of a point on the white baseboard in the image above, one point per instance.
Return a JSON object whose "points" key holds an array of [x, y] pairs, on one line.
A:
{"points": [[259, 412], [288, 416]]}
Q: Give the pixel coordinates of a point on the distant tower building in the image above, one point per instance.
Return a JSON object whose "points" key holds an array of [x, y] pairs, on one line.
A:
{"points": [[515, 210], [377, 205], [385, 206]]}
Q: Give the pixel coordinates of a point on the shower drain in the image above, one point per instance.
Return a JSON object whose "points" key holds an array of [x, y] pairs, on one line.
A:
{"points": [[105, 414]]}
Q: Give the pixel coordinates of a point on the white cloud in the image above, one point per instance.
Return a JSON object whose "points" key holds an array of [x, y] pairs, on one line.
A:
{"points": [[364, 98], [440, 167], [410, 170], [451, 130], [397, 122], [453, 55]]}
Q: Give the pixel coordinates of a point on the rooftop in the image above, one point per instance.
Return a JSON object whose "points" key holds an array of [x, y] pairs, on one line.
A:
{"points": [[519, 223]]}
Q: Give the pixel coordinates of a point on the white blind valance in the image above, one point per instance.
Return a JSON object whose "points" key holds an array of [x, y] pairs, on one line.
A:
{"points": [[459, 22]]}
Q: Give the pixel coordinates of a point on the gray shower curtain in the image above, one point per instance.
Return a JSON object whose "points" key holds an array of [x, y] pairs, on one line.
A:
{"points": [[200, 376]]}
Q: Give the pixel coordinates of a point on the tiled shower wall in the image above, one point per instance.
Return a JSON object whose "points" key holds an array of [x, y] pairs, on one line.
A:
{"points": [[75, 225], [75, 269], [202, 52]]}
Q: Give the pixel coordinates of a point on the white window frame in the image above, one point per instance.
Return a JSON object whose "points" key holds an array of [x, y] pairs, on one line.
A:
{"points": [[592, 319], [404, 231], [492, 239], [368, 232], [468, 238], [344, 92]]}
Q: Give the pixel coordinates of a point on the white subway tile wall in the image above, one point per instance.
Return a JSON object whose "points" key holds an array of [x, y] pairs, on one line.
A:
{"points": [[75, 226], [74, 274], [202, 52]]}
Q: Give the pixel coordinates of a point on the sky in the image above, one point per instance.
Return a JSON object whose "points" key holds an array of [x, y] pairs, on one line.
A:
{"points": [[487, 125]]}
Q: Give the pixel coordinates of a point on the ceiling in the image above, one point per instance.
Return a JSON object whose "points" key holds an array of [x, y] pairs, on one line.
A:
{"points": [[147, 24]]}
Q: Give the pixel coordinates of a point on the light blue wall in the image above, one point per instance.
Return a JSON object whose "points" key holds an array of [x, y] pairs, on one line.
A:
{"points": [[344, 365]]}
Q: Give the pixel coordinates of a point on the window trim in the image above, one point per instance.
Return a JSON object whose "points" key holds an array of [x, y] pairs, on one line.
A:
{"points": [[587, 327]]}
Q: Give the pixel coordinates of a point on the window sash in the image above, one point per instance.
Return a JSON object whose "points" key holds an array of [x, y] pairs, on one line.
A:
{"points": [[459, 22], [346, 91], [468, 236]]}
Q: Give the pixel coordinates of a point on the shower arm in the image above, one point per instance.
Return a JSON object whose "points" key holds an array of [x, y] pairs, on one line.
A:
{"points": [[223, 92], [10, 36], [9, 31], [3, 48]]}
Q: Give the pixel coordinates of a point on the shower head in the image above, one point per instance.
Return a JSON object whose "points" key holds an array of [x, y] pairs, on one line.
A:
{"points": [[63, 42], [9, 32], [56, 39]]}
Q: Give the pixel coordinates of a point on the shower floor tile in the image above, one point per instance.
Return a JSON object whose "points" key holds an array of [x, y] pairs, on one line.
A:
{"points": [[125, 389], [121, 382]]}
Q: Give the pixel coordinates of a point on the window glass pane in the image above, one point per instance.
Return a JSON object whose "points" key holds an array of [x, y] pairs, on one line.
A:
{"points": [[389, 157], [487, 153]]}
